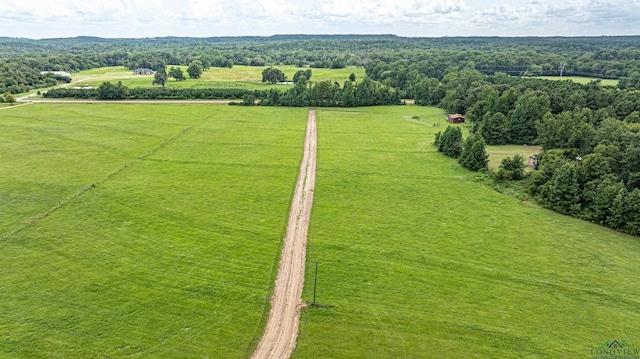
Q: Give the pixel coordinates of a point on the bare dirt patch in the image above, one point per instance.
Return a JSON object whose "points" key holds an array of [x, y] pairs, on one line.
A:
{"points": [[279, 338]]}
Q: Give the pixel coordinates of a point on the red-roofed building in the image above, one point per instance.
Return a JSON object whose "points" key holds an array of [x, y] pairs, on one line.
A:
{"points": [[456, 118]]}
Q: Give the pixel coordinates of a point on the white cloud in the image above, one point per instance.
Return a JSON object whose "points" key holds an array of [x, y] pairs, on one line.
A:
{"points": [[136, 18]]}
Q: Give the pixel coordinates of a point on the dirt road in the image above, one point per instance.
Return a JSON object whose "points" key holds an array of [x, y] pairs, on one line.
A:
{"points": [[279, 337]]}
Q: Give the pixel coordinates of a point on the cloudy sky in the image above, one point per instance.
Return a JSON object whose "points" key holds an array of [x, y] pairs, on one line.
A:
{"points": [[204, 18]]}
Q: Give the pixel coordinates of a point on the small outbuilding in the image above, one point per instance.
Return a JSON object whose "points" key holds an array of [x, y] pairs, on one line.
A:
{"points": [[56, 73], [455, 118], [143, 71]]}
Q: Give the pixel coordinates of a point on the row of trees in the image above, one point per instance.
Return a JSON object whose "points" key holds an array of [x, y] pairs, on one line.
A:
{"points": [[110, 91], [304, 93], [471, 153]]}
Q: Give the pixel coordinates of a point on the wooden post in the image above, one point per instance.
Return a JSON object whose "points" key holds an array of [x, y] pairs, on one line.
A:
{"points": [[315, 282]]}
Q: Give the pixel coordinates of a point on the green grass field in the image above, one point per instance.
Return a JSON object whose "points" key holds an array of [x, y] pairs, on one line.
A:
{"points": [[419, 259], [153, 231], [171, 253], [498, 153], [246, 77], [580, 80]]}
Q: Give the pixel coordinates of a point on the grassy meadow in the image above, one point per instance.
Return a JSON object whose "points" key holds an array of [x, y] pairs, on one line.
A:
{"points": [[141, 230], [419, 259], [580, 80], [245, 77], [498, 153], [153, 231]]}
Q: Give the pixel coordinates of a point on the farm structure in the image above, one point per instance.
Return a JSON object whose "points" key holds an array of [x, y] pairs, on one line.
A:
{"points": [[56, 73], [143, 71], [455, 118]]}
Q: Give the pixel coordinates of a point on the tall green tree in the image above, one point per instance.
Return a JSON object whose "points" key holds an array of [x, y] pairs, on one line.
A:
{"points": [[529, 109], [177, 74], [160, 77], [273, 76], [563, 192], [474, 156], [195, 69], [494, 129], [450, 142]]}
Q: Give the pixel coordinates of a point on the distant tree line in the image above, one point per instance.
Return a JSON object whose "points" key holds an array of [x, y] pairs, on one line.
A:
{"points": [[395, 61]]}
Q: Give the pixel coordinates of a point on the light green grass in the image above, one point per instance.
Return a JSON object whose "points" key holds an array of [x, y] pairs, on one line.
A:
{"points": [[245, 77], [498, 153], [580, 80], [418, 259], [170, 255]]}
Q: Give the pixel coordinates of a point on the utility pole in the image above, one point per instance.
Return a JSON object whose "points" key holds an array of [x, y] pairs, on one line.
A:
{"points": [[315, 282]]}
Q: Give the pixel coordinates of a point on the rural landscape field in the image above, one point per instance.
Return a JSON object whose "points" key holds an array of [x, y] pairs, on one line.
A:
{"points": [[154, 230], [320, 196]]}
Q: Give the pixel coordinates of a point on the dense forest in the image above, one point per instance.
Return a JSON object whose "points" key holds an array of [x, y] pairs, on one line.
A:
{"points": [[399, 61], [589, 166]]}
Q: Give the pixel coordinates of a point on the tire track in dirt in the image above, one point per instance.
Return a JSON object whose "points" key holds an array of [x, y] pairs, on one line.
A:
{"points": [[280, 335]]}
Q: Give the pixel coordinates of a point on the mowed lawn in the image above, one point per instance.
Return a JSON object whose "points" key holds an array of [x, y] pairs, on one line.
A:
{"points": [[419, 259], [172, 252]]}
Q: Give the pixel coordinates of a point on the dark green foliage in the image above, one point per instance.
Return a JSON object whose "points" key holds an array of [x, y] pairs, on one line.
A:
{"points": [[436, 141], [562, 193], [494, 129], [566, 130], [162, 93], [248, 100], [352, 77], [529, 109], [512, 168], [160, 77], [273, 76], [177, 74], [109, 91], [451, 142], [195, 69], [301, 73], [474, 156]]}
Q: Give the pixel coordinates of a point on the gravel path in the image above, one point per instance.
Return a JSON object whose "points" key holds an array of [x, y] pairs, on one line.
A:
{"points": [[279, 338]]}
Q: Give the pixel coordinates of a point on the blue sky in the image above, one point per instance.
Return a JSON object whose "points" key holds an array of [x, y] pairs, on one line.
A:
{"points": [[204, 18]]}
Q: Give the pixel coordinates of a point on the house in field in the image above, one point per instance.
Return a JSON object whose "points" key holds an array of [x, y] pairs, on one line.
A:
{"points": [[143, 71], [455, 118], [56, 73]]}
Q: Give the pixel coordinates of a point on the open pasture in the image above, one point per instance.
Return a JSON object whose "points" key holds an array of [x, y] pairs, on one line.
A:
{"points": [[580, 80], [498, 153], [419, 259], [245, 77], [141, 230]]}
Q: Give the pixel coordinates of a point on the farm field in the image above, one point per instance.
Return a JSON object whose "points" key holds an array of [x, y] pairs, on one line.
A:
{"points": [[141, 230], [580, 80], [419, 259], [245, 77]]}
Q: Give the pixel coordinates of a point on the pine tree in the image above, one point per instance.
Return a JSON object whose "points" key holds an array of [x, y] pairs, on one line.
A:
{"points": [[474, 155], [563, 194]]}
